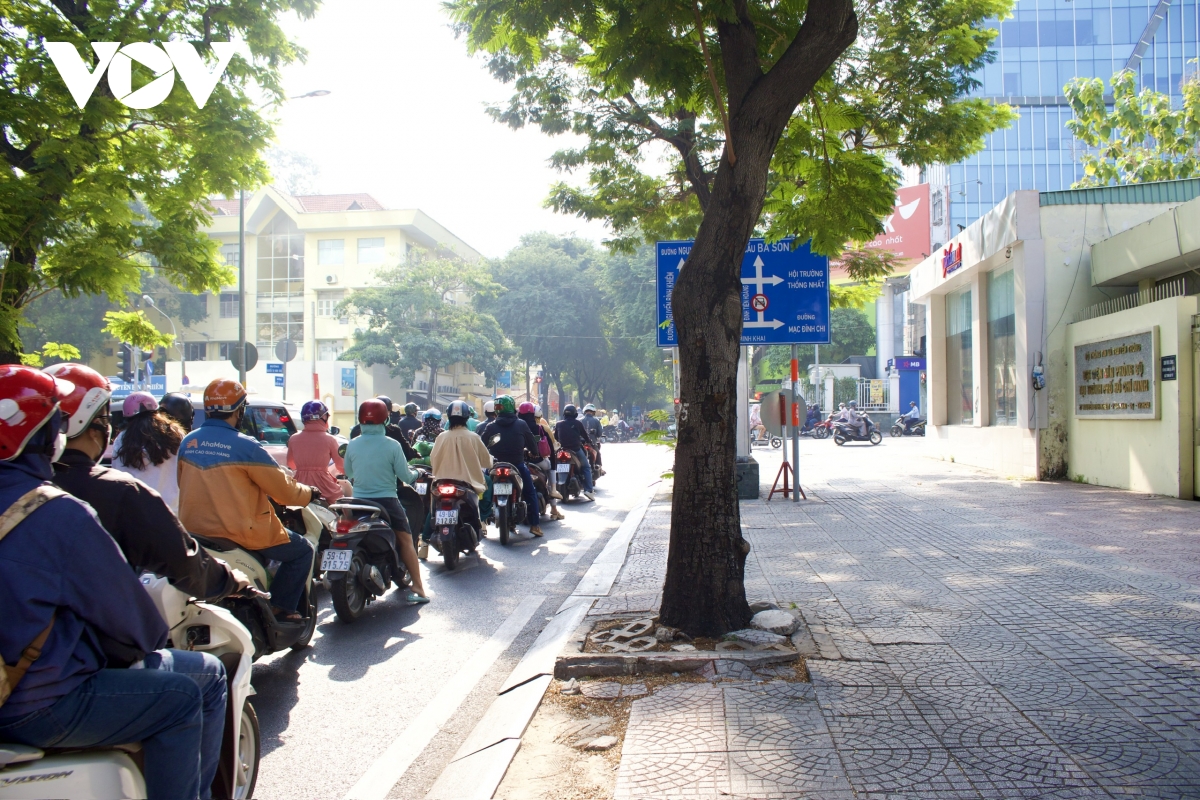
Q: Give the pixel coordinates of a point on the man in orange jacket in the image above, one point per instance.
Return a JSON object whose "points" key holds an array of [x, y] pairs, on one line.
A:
{"points": [[226, 480]]}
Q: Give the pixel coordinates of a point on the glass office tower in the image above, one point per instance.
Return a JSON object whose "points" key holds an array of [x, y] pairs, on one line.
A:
{"points": [[1040, 48]]}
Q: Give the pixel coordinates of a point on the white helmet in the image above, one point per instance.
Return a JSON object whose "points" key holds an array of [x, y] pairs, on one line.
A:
{"points": [[489, 407]]}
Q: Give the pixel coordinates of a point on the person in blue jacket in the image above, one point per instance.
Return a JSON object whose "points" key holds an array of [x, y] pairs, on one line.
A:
{"points": [[64, 582]]}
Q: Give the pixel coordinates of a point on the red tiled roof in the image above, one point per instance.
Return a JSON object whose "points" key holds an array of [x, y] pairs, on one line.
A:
{"points": [[317, 203], [224, 208]]}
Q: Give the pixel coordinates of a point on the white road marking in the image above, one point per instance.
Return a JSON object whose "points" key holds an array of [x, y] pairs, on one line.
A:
{"points": [[389, 767], [580, 549], [553, 577]]}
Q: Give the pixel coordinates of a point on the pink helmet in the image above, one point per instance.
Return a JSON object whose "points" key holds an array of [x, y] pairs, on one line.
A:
{"points": [[138, 402], [525, 408]]}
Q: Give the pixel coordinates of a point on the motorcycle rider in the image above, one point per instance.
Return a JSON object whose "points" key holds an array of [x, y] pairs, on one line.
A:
{"points": [[912, 417], [375, 463], [148, 446], [596, 431], [64, 589], [431, 424], [178, 406], [812, 418], [572, 435], [857, 418], [472, 423], [410, 422], [555, 514], [309, 451], [151, 538], [489, 415], [541, 459], [509, 439], [459, 455], [226, 480]]}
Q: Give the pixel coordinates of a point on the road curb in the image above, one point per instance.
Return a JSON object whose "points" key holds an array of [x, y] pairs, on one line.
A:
{"points": [[479, 766]]}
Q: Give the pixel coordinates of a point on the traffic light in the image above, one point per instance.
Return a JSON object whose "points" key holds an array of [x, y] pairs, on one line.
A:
{"points": [[126, 371]]}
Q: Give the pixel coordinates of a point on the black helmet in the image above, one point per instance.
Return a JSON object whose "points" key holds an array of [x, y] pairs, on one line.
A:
{"points": [[411, 409], [570, 411], [178, 406], [387, 401]]}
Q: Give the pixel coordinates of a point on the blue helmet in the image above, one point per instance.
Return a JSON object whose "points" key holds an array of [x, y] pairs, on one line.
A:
{"points": [[313, 410], [431, 413]]}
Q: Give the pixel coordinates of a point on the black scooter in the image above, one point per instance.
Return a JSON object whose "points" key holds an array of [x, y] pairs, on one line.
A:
{"points": [[453, 532], [362, 560], [917, 429], [567, 475], [509, 507], [845, 432]]}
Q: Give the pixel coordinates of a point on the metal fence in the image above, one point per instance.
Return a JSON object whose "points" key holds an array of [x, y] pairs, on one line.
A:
{"points": [[1172, 288], [874, 395]]}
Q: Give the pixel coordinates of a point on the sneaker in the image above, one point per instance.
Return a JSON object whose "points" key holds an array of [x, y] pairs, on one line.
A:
{"points": [[536, 530], [423, 551], [590, 496]]}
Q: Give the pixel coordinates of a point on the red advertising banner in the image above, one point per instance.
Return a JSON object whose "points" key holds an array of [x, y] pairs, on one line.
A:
{"points": [[906, 229]]}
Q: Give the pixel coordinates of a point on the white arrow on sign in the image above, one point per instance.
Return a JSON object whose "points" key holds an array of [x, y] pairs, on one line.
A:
{"points": [[759, 282]]}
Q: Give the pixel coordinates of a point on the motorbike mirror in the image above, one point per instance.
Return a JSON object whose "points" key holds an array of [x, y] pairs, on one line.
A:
{"points": [[335, 430]]}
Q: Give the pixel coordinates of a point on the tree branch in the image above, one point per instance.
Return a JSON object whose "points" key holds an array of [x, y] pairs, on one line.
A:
{"points": [[716, 87]]}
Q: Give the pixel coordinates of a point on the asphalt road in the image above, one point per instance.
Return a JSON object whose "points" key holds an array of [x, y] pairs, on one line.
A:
{"points": [[330, 712]]}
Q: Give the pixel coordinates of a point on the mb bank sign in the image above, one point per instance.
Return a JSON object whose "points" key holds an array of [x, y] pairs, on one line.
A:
{"points": [[785, 293]]}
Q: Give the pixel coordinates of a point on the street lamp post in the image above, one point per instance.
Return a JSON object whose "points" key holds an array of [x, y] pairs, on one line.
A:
{"points": [[182, 353], [242, 256]]}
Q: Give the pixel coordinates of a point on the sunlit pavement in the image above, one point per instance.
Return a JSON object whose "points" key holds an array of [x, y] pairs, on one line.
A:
{"points": [[982, 638], [328, 713]]}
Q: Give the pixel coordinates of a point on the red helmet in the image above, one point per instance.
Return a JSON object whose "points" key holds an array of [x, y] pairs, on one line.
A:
{"points": [[525, 408], [28, 398], [224, 396], [91, 395], [373, 412]]}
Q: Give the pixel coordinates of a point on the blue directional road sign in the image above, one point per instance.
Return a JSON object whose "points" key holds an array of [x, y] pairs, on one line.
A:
{"points": [[785, 293], [274, 369], [279, 380]]}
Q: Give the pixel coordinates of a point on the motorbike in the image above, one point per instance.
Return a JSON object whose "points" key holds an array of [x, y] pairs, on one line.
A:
{"points": [[568, 475], [113, 773], [593, 454], [416, 499], [362, 561], [269, 634], [770, 439], [917, 429], [509, 507], [845, 432], [823, 429], [451, 533]]}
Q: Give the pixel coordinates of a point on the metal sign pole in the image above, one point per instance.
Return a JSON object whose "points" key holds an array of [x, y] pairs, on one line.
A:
{"points": [[795, 424]]}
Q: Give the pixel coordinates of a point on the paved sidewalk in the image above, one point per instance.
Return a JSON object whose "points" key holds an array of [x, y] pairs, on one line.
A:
{"points": [[983, 638]]}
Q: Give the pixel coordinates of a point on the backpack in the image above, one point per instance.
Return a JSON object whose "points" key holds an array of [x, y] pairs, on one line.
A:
{"points": [[26, 504]]}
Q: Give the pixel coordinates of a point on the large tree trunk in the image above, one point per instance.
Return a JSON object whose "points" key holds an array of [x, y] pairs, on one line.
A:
{"points": [[431, 396], [16, 276], [704, 593]]}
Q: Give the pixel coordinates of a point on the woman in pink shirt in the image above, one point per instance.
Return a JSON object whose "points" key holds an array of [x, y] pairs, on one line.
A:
{"points": [[311, 450]]}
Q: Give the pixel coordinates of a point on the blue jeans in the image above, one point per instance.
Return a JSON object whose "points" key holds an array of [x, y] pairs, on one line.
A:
{"points": [[533, 514], [587, 468], [162, 710], [295, 567], [209, 674]]}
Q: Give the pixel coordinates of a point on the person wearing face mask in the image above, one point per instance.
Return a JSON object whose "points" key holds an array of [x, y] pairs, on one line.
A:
{"points": [[150, 537], [66, 592]]}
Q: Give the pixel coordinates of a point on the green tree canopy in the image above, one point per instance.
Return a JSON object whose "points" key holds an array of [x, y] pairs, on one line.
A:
{"points": [[91, 197], [421, 316], [1141, 138], [717, 120]]}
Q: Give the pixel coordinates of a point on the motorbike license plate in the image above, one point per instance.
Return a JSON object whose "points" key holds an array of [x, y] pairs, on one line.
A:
{"points": [[446, 517], [422, 488], [564, 468], [336, 560], [502, 488]]}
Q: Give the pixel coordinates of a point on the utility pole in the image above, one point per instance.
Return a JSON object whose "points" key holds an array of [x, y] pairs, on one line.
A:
{"points": [[242, 287]]}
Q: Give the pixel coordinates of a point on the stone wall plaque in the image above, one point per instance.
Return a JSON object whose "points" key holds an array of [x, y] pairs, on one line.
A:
{"points": [[1117, 378]]}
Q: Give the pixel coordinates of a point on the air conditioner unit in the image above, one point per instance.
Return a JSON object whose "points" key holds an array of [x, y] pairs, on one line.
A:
{"points": [[331, 279]]}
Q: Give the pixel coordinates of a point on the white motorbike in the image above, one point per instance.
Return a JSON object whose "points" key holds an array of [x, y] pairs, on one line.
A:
{"points": [[113, 773]]}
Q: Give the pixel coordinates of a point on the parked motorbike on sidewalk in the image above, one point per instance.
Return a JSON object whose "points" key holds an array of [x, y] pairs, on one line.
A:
{"points": [[362, 561], [847, 432], [109, 773], [452, 533], [509, 506], [917, 429], [269, 634]]}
